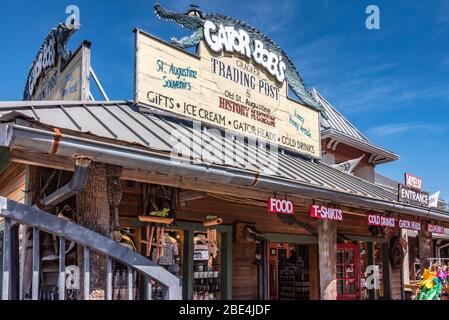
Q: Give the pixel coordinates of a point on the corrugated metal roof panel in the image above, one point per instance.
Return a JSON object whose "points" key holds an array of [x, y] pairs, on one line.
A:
{"points": [[129, 123], [337, 121]]}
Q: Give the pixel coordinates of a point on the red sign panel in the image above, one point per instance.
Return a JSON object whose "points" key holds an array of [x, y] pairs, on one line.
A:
{"points": [[381, 221], [412, 181], [435, 229], [411, 225], [280, 206], [322, 212]]}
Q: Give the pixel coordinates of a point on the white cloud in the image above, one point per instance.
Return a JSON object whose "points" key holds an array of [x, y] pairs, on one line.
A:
{"points": [[401, 128]]}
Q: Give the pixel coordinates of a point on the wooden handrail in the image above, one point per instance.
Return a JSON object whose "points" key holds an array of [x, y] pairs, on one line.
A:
{"points": [[48, 223]]}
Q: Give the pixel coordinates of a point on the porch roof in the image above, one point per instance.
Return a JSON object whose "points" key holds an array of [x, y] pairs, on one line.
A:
{"points": [[142, 128]]}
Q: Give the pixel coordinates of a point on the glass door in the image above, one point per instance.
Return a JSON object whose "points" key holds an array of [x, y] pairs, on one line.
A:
{"points": [[348, 272]]}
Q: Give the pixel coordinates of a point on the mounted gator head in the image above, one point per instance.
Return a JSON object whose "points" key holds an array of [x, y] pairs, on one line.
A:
{"points": [[194, 19]]}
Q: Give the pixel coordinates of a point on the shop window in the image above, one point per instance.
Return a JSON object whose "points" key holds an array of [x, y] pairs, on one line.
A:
{"points": [[348, 272], [289, 277]]}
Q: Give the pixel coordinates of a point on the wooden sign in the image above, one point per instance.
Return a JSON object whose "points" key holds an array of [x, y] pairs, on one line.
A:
{"points": [[413, 182], [280, 206], [435, 229], [224, 90], [69, 84], [413, 196], [323, 212], [381, 221], [410, 225]]}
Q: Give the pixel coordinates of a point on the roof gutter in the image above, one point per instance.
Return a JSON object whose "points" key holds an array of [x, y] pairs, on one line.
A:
{"points": [[134, 158]]}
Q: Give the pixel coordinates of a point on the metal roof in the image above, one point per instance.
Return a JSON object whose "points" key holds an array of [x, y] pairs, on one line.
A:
{"points": [[142, 126], [386, 182], [336, 120], [339, 128]]}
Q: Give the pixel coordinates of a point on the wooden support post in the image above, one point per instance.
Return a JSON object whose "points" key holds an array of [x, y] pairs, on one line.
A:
{"points": [[187, 285], [386, 271], [226, 266], [425, 248], [371, 262], [327, 245], [313, 271], [93, 210]]}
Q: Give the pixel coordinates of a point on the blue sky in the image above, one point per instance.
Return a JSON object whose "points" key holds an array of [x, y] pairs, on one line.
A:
{"points": [[392, 83]]}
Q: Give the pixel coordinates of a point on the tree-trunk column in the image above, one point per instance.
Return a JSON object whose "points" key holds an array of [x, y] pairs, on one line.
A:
{"points": [[93, 213], [327, 243], [425, 247]]}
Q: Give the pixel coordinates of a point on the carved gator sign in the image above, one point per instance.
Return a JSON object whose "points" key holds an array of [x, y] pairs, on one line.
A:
{"points": [[225, 33], [57, 74], [237, 80]]}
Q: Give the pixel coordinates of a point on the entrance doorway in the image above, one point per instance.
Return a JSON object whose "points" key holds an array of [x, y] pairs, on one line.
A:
{"points": [[348, 272], [288, 271]]}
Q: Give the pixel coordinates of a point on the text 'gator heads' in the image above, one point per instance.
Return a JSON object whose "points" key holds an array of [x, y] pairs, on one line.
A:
{"points": [[53, 49], [195, 20]]}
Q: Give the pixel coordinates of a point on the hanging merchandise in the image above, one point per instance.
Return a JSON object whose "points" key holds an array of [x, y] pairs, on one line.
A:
{"points": [[160, 202], [155, 232], [212, 242]]}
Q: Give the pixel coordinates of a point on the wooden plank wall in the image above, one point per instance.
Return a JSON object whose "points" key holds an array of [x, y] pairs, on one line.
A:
{"points": [[12, 182], [396, 284]]}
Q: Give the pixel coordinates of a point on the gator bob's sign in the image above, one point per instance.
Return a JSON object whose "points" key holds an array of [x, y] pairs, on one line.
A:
{"points": [[228, 83], [56, 73]]}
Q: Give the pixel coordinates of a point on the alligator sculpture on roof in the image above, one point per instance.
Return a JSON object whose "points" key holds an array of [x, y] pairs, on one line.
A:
{"points": [[53, 48], [194, 19]]}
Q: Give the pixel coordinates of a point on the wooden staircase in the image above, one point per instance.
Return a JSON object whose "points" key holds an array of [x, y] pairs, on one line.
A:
{"points": [[14, 214]]}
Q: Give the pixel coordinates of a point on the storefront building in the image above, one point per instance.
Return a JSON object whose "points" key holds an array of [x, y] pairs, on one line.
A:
{"points": [[216, 184]]}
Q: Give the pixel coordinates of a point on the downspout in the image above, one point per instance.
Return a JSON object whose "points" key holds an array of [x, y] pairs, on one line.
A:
{"points": [[133, 158], [76, 184]]}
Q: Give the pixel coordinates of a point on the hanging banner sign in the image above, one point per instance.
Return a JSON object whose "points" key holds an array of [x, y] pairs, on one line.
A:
{"points": [[410, 225], [348, 166], [413, 182], [323, 212], [435, 229], [412, 196], [226, 89], [381, 221], [433, 200], [280, 206]]}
